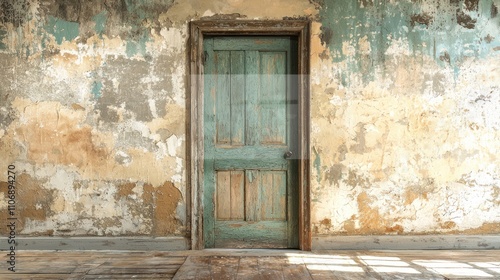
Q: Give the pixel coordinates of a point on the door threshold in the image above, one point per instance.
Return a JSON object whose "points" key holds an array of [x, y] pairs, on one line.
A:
{"points": [[247, 252]]}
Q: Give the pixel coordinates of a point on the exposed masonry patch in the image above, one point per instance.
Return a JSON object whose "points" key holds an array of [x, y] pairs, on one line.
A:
{"points": [[117, 14], [129, 92], [326, 35], [36, 202], [471, 5], [424, 18], [14, 11], [466, 20]]}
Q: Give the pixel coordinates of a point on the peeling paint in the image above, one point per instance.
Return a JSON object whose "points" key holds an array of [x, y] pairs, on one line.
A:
{"points": [[317, 165], [429, 27], [96, 89], [3, 35], [62, 30], [466, 20], [14, 12], [404, 131], [395, 106], [164, 201], [100, 22]]}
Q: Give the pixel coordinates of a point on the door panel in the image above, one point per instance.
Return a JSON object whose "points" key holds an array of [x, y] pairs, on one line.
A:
{"points": [[250, 189], [250, 204], [273, 99], [230, 196]]}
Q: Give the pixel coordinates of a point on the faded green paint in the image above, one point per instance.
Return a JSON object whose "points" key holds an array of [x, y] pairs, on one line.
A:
{"points": [[146, 9], [227, 232], [61, 29], [3, 34], [97, 89], [138, 46], [100, 22], [142, 16], [249, 130], [137, 7], [438, 33], [317, 165]]}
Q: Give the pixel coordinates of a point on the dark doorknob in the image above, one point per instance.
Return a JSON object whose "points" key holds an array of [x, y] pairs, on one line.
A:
{"points": [[288, 155]]}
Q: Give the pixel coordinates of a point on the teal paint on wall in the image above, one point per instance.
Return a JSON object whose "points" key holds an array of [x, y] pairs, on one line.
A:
{"points": [[138, 46], [317, 165], [441, 34], [135, 7], [97, 89], [139, 11], [61, 29], [3, 34], [100, 22], [131, 48], [146, 9]]}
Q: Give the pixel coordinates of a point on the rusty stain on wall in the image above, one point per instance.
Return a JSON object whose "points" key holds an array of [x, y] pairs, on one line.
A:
{"points": [[36, 202], [164, 200]]}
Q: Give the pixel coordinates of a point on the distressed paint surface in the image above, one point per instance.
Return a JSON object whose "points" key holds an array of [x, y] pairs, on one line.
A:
{"points": [[96, 131], [405, 127], [247, 190], [405, 99]]}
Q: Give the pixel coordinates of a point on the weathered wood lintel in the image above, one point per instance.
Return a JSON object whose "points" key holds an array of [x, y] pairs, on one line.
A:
{"points": [[199, 29]]}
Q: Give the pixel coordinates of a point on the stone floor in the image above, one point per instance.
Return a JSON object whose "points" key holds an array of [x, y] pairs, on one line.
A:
{"points": [[254, 264]]}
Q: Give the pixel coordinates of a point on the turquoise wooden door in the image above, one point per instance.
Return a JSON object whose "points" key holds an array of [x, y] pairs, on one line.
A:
{"points": [[250, 139]]}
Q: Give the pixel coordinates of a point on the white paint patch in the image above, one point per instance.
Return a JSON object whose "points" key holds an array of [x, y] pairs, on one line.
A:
{"points": [[138, 190], [152, 108], [488, 177], [348, 49], [478, 93], [123, 158], [34, 226], [399, 48], [173, 40], [162, 150], [60, 180], [150, 79], [172, 144], [3, 202], [136, 126], [336, 100], [208, 13], [180, 212], [178, 79]]}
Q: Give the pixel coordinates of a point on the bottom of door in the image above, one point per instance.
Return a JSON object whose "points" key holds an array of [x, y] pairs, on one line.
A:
{"points": [[262, 234]]}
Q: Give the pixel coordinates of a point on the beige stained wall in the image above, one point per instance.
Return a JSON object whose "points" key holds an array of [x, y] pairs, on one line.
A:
{"points": [[404, 132]]}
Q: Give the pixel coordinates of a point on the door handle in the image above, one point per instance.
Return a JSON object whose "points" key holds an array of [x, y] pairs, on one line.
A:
{"points": [[288, 155]]}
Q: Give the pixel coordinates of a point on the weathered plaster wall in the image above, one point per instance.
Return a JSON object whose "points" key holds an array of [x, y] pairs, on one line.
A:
{"points": [[93, 116], [405, 130]]}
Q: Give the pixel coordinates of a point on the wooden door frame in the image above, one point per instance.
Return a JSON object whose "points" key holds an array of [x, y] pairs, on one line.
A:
{"points": [[199, 29]]}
